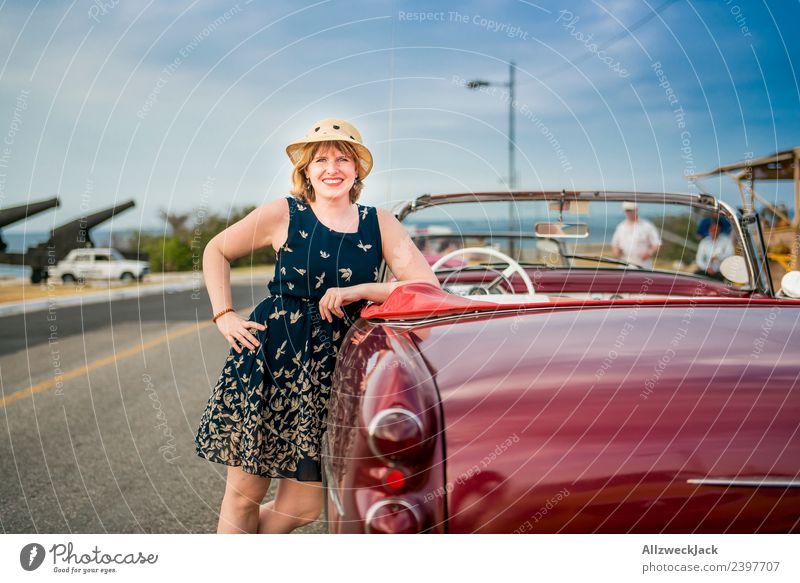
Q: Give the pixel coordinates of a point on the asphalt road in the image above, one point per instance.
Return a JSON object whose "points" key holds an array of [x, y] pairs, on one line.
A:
{"points": [[100, 405]]}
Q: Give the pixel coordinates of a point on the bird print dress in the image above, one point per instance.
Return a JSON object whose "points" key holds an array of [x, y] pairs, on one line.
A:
{"points": [[267, 412]]}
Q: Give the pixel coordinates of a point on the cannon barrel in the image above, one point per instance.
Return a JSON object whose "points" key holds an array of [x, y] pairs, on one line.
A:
{"points": [[88, 221], [13, 214]]}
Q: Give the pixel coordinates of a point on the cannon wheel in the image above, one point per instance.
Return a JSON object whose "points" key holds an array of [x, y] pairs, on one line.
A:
{"points": [[38, 275]]}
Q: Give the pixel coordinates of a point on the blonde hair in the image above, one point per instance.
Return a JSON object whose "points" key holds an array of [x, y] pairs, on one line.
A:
{"points": [[301, 187]]}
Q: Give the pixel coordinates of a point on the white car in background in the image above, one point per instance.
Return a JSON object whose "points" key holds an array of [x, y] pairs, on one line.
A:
{"points": [[98, 263]]}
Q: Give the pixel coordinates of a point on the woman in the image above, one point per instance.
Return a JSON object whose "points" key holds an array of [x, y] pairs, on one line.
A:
{"points": [[266, 415]]}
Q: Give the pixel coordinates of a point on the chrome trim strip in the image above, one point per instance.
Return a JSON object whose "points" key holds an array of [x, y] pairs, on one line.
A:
{"points": [[373, 424], [428, 200], [425, 320], [370, 515], [747, 482], [749, 259], [327, 470]]}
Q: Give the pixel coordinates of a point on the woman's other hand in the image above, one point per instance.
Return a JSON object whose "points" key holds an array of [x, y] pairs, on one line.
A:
{"points": [[331, 303], [235, 330]]}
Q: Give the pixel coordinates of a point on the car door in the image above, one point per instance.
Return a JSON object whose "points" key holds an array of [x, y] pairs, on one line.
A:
{"points": [[101, 268], [82, 265]]}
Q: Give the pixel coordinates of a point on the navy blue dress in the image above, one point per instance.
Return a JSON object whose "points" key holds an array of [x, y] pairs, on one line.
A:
{"points": [[267, 412]]}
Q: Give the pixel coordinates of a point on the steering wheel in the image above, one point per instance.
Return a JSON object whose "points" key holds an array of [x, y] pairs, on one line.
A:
{"points": [[513, 266]]}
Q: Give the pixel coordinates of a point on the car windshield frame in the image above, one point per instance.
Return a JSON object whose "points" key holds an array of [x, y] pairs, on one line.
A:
{"points": [[704, 202]]}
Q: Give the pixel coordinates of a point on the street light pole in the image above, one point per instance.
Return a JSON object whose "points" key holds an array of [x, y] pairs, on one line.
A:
{"points": [[512, 172]]}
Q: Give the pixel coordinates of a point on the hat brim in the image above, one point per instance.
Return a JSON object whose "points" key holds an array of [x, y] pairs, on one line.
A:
{"points": [[295, 151]]}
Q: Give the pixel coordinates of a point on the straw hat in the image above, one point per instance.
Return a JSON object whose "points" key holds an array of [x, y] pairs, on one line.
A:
{"points": [[333, 129]]}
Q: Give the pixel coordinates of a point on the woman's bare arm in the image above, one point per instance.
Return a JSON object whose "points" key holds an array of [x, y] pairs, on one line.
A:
{"points": [[260, 228], [264, 226]]}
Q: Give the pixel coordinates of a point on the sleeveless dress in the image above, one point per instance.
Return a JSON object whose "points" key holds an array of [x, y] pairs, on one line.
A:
{"points": [[267, 412]]}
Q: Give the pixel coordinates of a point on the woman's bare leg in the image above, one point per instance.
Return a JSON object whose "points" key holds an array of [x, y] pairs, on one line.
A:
{"points": [[296, 504], [243, 495]]}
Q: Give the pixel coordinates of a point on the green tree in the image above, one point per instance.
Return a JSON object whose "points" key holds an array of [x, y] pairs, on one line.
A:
{"points": [[181, 246]]}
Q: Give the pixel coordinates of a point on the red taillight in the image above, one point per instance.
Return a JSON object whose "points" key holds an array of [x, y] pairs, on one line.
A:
{"points": [[395, 480], [395, 433]]}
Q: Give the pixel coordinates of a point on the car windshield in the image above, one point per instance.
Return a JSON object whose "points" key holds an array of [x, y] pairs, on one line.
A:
{"points": [[587, 234]]}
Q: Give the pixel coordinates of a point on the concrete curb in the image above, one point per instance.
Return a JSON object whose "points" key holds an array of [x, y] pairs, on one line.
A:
{"points": [[99, 297]]}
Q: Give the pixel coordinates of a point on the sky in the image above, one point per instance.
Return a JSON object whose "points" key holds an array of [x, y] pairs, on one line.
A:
{"points": [[187, 106]]}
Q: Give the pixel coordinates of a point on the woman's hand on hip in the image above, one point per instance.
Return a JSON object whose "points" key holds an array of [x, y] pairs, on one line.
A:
{"points": [[235, 330], [335, 298]]}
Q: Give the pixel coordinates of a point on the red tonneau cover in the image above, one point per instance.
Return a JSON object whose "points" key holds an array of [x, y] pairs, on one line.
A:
{"points": [[417, 300]]}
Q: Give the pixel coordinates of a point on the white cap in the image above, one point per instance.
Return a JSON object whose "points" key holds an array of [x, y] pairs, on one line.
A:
{"points": [[629, 206]]}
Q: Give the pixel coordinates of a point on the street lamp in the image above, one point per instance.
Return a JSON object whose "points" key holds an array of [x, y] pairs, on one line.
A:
{"points": [[512, 178]]}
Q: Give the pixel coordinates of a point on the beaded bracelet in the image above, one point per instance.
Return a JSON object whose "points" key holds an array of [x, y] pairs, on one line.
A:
{"points": [[223, 312]]}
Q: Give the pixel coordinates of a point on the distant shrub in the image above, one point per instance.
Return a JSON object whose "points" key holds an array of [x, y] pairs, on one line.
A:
{"points": [[181, 246]]}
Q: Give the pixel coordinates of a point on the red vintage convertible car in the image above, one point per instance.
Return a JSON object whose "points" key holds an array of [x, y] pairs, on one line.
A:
{"points": [[558, 383]]}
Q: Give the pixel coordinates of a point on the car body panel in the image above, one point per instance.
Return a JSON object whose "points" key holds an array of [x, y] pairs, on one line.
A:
{"points": [[619, 407]]}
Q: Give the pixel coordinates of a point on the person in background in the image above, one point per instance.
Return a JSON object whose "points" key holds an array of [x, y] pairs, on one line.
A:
{"points": [[712, 250], [636, 240], [448, 246], [702, 228]]}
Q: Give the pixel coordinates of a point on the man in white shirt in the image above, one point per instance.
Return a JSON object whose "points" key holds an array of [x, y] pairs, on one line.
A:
{"points": [[635, 240], [712, 250]]}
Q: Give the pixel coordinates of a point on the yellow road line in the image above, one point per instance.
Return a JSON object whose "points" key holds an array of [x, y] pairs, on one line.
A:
{"points": [[83, 370]]}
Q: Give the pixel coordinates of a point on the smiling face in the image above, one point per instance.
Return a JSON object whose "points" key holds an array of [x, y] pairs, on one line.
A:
{"points": [[331, 172]]}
